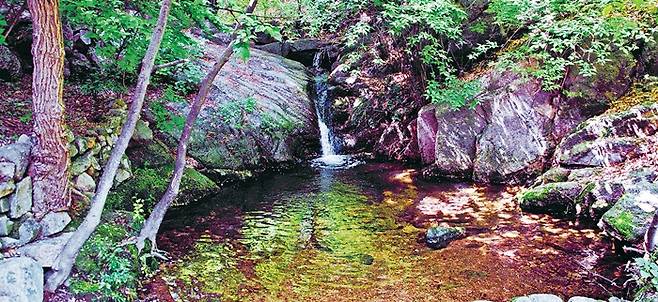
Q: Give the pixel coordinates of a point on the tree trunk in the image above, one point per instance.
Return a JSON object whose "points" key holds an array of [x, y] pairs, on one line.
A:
{"points": [[50, 155], [152, 224], [65, 260]]}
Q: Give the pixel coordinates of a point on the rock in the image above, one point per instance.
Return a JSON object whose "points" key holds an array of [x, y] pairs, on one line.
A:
{"points": [[21, 280], [556, 174], [142, 132], [21, 201], [7, 187], [602, 197], [4, 205], [10, 65], [281, 122], [583, 299], [85, 183], [45, 251], [6, 225], [17, 153], [28, 231], [583, 174], [82, 163], [427, 126], [121, 176], [8, 242], [558, 199], [81, 144], [456, 138], [54, 223], [609, 139], [7, 171], [439, 237], [544, 298], [630, 217], [73, 151]]}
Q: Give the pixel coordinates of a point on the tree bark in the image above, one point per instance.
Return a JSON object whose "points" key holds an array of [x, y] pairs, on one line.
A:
{"points": [[65, 260], [152, 224], [50, 157]]}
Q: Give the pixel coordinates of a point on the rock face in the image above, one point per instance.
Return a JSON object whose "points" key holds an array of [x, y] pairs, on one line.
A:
{"points": [[21, 280], [510, 136], [596, 181], [45, 251], [257, 112], [439, 237], [609, 139]]}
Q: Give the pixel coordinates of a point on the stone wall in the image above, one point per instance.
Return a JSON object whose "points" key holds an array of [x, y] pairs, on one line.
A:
{"points": [[19, 228]]}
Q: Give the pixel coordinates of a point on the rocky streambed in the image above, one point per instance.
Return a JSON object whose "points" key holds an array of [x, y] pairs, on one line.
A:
{"points": [[359, 235]]}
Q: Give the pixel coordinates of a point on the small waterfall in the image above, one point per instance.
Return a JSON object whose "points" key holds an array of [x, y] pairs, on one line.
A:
{"points": [[331, 158], [322, 105]]}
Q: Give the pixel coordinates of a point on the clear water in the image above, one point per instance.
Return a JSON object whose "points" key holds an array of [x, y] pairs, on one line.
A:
{"points": [[356, 235]]}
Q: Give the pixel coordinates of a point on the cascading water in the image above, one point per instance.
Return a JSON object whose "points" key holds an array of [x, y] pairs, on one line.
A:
{"points": [[330, 158]]}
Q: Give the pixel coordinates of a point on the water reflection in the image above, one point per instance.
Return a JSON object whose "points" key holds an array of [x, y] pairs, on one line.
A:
{"points": [[353, 235]]}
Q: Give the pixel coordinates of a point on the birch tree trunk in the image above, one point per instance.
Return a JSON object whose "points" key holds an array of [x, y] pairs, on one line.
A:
{"points": [[65, 260], [152, 224], [50, 157]]}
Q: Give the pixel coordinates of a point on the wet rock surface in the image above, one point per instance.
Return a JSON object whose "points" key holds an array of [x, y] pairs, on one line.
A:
{"points": [[439, 237]]}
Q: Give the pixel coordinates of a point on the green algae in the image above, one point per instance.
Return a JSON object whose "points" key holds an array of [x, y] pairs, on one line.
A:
{"points": [[305, 247]]}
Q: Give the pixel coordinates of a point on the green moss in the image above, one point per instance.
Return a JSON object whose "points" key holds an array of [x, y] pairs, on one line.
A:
{"points": [[624, 224], [149, 184], [580, 199], [536, 194]]}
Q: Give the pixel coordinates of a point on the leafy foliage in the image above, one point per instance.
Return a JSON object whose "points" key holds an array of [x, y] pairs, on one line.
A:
{"points": [[573, 35], [646, 276], [3, 24]]}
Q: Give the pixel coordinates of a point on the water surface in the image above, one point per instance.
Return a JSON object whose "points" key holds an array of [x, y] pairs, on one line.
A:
{"points": [[356, 235]]}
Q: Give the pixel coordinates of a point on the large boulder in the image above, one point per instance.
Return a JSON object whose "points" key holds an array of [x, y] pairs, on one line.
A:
{"points": [[21, 280], [510, 136], [45, 251], [439, 237], [257, 112], [609, 139]]}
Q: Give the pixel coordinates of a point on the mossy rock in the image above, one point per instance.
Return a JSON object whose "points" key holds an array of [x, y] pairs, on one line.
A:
{"points": [[149, 184], [557, 199], [630, 217]]}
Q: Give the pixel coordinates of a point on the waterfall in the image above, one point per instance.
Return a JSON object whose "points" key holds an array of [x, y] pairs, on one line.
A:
{"points": [[331, 159], [322, 109]]}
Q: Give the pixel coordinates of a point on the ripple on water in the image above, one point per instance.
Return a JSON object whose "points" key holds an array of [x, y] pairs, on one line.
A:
{"points": [[354, 235]]}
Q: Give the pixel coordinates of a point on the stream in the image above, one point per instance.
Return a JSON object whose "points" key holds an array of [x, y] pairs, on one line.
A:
{"points": [[357, 235]]}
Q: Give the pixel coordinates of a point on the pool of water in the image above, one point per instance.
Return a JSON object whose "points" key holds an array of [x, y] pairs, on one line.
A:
{"points": [[357, 235]]}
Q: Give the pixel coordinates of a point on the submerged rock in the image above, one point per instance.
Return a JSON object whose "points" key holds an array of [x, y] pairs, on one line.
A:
{"points": [[439, 237]]}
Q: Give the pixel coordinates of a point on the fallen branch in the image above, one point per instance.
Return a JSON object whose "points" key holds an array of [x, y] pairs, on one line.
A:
{"points": [[170, 64]]}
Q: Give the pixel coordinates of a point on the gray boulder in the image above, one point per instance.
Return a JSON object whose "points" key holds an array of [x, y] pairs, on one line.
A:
{"points": [[21, 201], [257, 112], [28, 231], [4, 205], [10, 65], [583, 299], [17, 153], [85, 183], [7, 171], [82, 163], [21, 280], [45, 251], [6, 225], [54, 223]]}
